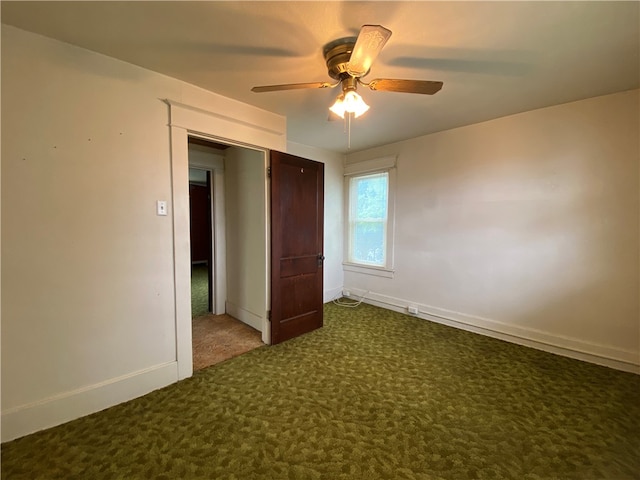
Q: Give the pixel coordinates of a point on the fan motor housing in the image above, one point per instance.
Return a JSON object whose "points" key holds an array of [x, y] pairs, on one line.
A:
{"points": [[337, 55]]}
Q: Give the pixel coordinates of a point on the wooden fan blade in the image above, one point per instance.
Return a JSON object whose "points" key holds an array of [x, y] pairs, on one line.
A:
{"points": [[405, 86], [370, 41], [290, 86]]}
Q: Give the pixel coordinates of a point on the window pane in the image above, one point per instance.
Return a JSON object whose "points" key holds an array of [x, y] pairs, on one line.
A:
{"points": [[372, 196], [368, 242], [368, 218]]}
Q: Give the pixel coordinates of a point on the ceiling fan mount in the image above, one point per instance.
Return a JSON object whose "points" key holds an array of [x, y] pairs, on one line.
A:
{"points": [[337, 55]]}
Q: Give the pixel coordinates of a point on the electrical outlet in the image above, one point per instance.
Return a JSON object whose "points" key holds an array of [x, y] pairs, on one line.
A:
{"points": [[346, 293], [412, 310]]}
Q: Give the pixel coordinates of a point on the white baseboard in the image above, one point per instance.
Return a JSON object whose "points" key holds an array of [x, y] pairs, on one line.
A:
{"points": [[605, 355], [245, 316], [25, 419]]}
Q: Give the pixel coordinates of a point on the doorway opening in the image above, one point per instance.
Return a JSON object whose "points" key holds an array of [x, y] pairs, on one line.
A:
{"points": [[227, 249], [201, 247]]}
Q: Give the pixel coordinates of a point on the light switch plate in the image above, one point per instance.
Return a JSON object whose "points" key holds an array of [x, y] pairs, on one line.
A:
{"points": [[161, 207]]}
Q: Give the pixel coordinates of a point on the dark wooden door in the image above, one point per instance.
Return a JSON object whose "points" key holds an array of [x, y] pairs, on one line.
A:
{"points": [[200, 223], [297, 215]]}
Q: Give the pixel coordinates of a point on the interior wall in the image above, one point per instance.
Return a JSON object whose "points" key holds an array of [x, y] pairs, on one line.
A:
{"points": [[246, 195], [88, 273], [524, 227], [206, 157]]}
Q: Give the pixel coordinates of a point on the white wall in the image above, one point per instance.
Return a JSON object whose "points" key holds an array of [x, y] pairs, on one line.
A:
{"points": [[205, 157], [90, 277], [87, 271], [246, 230], [524, 227], [333, 214]]}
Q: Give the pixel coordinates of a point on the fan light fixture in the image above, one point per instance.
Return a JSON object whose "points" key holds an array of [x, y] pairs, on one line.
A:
{"points": [[349, 102], [348, 59]]}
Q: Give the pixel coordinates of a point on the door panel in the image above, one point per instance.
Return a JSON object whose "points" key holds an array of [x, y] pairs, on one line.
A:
{"points": [[301, 298], [298, 265], [297, 213]]}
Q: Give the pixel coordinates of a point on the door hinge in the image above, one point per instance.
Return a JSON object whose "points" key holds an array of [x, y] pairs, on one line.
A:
{"points": [[269, 315], [268, 172]]}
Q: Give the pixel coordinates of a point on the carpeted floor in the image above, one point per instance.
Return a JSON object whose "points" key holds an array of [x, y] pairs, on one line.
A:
{"points": [[372, 395], [199, 290], [217, 338]]}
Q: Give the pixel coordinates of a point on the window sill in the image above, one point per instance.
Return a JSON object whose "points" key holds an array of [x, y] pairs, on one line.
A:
{"points": [[368, 270]]}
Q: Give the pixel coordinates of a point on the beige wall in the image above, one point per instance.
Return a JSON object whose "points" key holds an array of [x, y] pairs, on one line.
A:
{"points": [[87, 265], [245, 200], [525, 227]]}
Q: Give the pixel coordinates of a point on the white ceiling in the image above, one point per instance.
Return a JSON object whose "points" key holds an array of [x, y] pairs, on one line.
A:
{"points": [[495, 58]]}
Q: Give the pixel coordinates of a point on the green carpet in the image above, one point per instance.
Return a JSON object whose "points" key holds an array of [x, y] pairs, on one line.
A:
{"points": [[199, 290], [373, 395]]}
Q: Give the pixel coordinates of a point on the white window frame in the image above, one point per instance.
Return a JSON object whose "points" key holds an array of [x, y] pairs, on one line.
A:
{"points": [[378, 165]]}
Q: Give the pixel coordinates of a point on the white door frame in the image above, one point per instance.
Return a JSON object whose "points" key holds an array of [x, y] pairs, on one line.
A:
{"points": [[258, 130]]}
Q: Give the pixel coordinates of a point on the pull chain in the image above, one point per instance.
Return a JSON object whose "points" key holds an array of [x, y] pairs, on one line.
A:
{"points": [[347, 127]]}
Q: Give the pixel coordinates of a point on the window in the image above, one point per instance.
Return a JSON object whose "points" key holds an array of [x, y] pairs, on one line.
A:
{"points": [[369, 197], [368, 208]]}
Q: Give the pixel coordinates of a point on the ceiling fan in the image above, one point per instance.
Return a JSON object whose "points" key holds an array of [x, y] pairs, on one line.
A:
{"points": [[348, 60]]}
